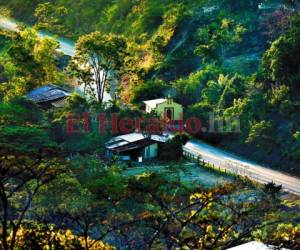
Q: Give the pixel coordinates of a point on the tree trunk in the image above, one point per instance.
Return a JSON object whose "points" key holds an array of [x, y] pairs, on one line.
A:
{"points": [[13, 239], [103, 85], [5, 219], [4, 235], [86, 239]]}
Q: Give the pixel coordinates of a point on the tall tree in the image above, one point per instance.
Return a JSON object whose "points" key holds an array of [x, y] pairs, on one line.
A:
{"points": [[50, 18], [21, 177], [29, 62], [217, 38], [281, 61], [99, 58]]}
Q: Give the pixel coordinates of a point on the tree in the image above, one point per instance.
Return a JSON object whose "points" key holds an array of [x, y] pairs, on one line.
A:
{"points": [[21, 177], [194, 219], [68, 204], [50, 18], [149, 211], [22, 128], [277, 23], [30, 62], [20, 111], [98, 61], [84, 200], [33, 235], [217, 38], [249, 109], [166, 30], [272, 189], [220, 94], [188, 90], [281, 61], [29, 159], [147, 91], [172, 150], [261, 133], [4, 11]]}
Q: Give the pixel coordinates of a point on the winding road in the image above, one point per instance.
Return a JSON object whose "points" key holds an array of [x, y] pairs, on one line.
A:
{"points": [[67, 47], [218, 157], [238, 165]]}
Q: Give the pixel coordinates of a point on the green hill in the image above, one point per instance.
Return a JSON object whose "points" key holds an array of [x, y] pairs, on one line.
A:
{"points": [[209, 56]]}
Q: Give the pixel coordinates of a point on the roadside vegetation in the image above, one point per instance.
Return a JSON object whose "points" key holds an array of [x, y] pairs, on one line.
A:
{"points": [[233, 59], [59, 191]]}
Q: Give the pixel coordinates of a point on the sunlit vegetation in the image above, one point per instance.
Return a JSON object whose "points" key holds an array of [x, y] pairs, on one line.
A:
{"points": [[233, 58]]}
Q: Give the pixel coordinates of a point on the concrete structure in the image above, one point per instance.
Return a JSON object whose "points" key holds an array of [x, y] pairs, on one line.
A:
{"points": [[165, 108], [135, 146]]}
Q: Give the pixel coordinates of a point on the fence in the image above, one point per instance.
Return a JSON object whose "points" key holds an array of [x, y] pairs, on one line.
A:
{"points": [[233, 168], [197, 159]]}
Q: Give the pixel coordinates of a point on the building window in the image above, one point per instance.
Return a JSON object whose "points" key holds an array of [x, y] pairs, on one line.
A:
{"points": [[169, 113]]}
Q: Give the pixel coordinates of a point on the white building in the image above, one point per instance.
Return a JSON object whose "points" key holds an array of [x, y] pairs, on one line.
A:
{"points": [[135, 146], [165, 108]]}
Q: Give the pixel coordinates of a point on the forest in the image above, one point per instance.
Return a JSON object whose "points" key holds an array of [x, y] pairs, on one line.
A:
{"points": [[220, 59], [213, 56]]}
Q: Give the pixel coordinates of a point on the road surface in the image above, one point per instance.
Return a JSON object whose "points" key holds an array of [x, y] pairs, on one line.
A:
{"points": [[208, 153], [66, 46], [240, 166]]}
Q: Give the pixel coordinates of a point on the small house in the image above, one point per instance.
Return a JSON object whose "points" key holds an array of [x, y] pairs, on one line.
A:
{"points": [[135, 146], [49, 96], [253, 245], [165, 108]]}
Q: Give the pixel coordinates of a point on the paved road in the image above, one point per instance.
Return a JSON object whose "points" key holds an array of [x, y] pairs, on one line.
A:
{"points": [[67, 47], [238, 165], [208, 153]]}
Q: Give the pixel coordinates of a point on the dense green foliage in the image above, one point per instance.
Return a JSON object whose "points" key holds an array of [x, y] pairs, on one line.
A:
{"points": [[101, 55], [230, 63], [28, 62]]}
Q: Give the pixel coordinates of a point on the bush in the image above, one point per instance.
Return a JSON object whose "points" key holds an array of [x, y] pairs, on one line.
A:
{"points": [[148, 91], [172, 150], [36, 236]]}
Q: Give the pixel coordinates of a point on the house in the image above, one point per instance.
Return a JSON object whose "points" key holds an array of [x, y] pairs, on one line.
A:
{"points": [[49, 96], [135, 146], [165, 108], [253, 245]]}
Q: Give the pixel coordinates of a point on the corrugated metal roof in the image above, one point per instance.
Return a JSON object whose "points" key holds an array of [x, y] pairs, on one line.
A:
{"points": [[47, 93], [134, 145], [117, 144], [127, 139]]}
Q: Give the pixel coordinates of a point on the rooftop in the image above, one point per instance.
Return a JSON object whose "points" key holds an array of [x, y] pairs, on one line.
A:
{"points": [[47, 93], [133, 138], [155, 102], [134, 145], [253, 245]]}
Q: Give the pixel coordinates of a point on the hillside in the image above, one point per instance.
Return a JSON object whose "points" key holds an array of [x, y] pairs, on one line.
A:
{"points": [[86, 160], [208, 55]]}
